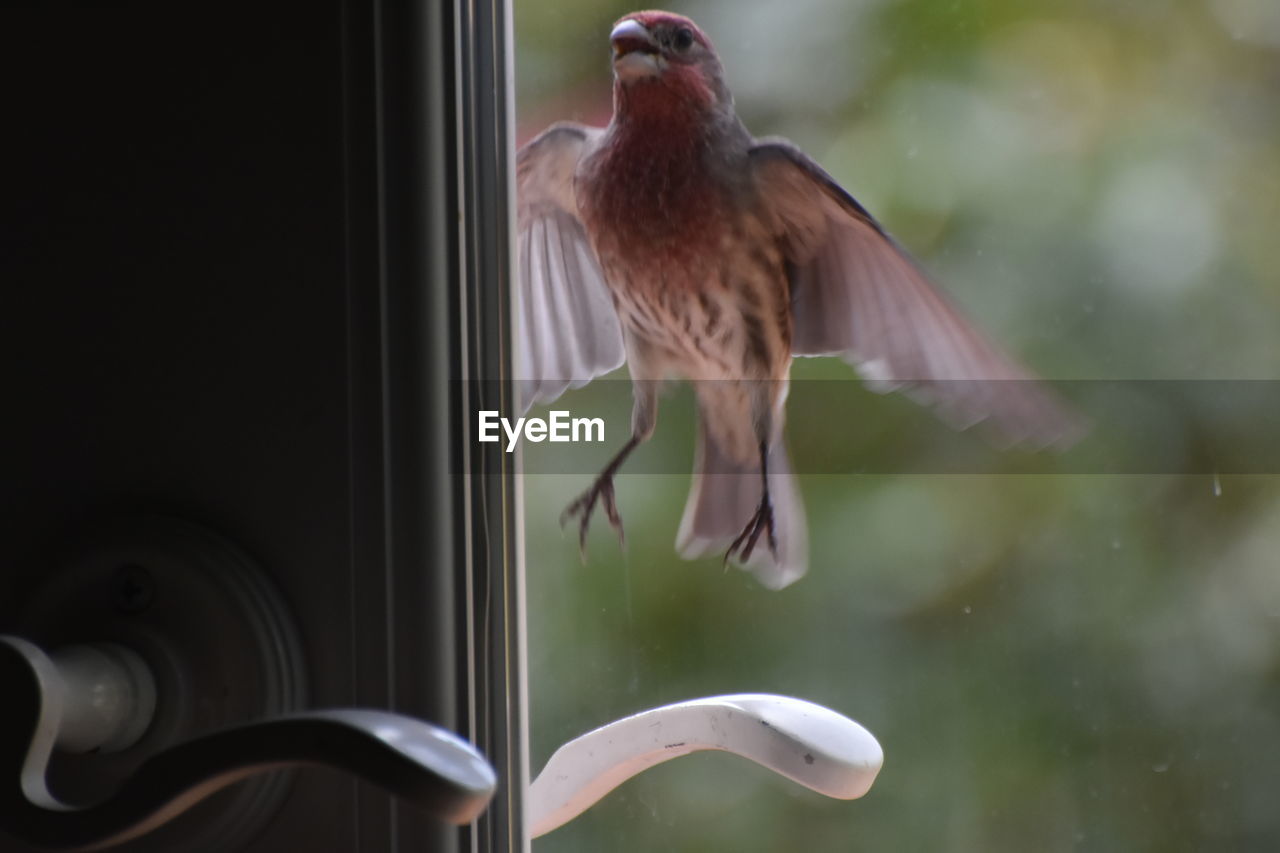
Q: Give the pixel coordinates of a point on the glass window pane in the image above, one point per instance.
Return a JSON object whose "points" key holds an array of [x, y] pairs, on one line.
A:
{"points": [[1056, 650]]}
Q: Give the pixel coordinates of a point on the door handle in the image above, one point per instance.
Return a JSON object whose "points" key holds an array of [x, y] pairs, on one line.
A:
{"points": [[809, 744], [174, 670], [52, 701]]}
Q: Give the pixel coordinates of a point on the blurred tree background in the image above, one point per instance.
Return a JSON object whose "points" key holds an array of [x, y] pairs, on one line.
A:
{"points": [[1080, 660]]}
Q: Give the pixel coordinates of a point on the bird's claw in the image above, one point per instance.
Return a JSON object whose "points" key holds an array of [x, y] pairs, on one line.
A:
{"points": [[762, 521], [584, 505]]}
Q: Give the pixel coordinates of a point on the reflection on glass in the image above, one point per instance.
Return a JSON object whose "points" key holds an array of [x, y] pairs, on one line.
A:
{"points": [[1051, 661]]}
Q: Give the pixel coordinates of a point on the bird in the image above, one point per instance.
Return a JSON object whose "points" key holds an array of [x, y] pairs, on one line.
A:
{"points": [[675, 241]]}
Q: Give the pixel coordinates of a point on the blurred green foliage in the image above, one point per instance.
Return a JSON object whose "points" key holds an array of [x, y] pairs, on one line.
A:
{"points": [[1051, 662]]}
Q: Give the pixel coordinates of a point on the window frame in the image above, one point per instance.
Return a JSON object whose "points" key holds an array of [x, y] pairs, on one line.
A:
{"points": [[430, 149]]}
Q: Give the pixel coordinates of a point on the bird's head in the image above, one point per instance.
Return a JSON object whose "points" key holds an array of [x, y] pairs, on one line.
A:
{"points": [[661, 55]]}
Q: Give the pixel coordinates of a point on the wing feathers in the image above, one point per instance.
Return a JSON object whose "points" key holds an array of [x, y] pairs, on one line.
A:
{"points": [[855, 293], [567, 328]]}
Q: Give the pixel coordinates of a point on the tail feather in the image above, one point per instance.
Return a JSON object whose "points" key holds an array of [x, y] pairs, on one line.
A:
{"points": [[723, 497]]}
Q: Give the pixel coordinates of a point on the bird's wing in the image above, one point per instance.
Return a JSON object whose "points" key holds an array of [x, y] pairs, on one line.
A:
{"points": [[856, 294], [567, 329]]}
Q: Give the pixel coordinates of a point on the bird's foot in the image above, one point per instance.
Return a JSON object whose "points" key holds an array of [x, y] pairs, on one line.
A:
{"points": [[601, 491], [761, 522]]}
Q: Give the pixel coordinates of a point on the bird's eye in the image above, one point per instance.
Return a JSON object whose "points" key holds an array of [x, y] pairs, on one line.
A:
{"points": [[683, 39]]}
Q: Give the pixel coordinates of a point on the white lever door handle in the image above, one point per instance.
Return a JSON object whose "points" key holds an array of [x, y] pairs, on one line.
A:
{"points": [[810, 744]]}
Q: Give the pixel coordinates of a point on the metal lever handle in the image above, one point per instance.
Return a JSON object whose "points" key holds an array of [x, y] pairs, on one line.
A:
{"points": [[807, 743], [421, 763]]}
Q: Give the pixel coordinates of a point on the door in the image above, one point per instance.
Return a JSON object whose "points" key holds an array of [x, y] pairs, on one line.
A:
{"points": [[240, 300]]}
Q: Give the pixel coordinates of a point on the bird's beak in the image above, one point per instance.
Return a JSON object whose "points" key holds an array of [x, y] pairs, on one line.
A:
{"points": [[635, 51]]}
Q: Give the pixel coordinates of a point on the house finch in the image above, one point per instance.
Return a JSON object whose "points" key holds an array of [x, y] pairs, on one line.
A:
{"points": [[676, 239]]}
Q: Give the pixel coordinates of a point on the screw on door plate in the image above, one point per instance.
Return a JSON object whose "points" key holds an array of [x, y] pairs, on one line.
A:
{"points": [[132, 589]]}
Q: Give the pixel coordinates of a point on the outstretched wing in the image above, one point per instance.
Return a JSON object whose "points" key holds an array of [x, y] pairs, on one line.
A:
{"points": [[567, 329], [856, 294]]}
